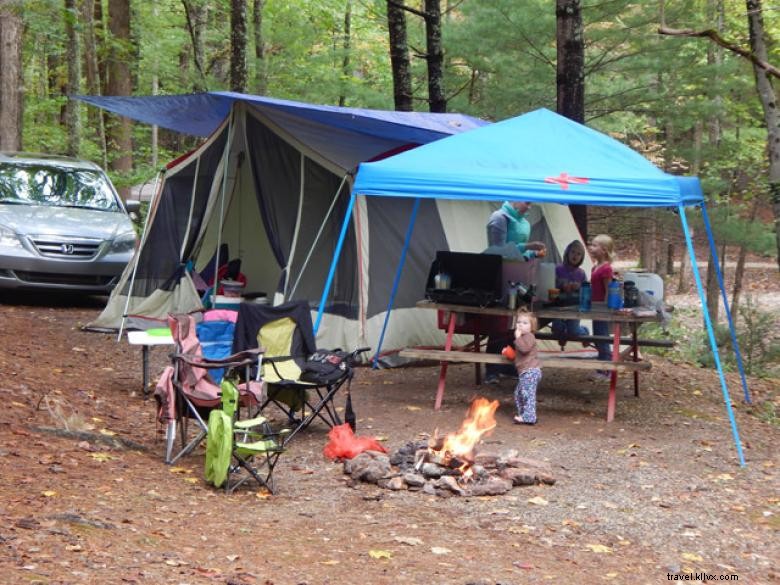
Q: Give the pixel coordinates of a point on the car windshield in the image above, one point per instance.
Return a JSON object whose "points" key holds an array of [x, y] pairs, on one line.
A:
{"points": [[46, 184]]}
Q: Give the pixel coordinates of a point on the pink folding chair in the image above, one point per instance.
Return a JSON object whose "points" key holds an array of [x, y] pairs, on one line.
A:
{"points": [[186, 392]]}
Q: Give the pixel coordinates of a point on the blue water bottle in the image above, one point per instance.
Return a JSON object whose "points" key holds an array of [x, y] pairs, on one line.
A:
{"points": [[614, 295], [585, 296]]}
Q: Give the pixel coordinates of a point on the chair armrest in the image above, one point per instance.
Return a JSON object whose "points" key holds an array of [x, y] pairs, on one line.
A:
{"points": [[243, 358]]}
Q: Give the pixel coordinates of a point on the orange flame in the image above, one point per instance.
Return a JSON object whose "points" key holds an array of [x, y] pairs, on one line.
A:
{"points": [[479, 420]]}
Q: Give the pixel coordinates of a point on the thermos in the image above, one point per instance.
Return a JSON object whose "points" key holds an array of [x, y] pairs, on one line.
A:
{"points": [[585, 296], [614, 295]]}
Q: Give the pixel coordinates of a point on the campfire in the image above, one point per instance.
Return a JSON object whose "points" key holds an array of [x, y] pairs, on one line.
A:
{"points": [[456, 450], [451, 465]]}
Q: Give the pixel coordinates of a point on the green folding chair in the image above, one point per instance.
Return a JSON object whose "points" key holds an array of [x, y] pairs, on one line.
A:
{"points": [[238, 451]]}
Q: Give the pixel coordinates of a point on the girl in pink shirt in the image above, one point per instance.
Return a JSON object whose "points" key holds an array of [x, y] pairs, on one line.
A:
{"points": [[602, 250]]}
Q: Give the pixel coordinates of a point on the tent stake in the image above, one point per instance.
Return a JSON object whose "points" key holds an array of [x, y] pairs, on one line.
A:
{"points": [[412, 221], [711, 334], [732, 329]]}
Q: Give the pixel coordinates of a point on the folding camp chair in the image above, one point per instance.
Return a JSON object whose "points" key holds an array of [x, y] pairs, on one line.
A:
{"points": [[188, 391], [246, 449], [286, 334]]}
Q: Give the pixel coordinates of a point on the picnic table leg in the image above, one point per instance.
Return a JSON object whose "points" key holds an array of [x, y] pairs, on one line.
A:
{"points": [[443, 371], [613, 375], [477, 369], [635, 354], [145, 375]]}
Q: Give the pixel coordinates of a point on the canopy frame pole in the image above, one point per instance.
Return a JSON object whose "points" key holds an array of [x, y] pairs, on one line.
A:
{"points": [[334, 262], [396, 282], [732, 328], [137, 255], [225, 170], [711, 334], [317, 237]]}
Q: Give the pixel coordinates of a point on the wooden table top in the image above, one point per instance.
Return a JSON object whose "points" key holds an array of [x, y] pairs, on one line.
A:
{"points": [[599, 312]]}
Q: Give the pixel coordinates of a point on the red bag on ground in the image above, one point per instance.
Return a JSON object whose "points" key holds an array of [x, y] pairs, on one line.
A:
{"points": [[344, 444]]}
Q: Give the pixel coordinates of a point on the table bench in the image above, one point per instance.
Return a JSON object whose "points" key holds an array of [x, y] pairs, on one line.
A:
{"points": [[448, 318]]}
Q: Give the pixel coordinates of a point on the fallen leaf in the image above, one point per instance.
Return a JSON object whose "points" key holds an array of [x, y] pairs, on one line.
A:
{"points": [[440, 550], [101, 456], [725, 477], [538, 501], [179, 470], [410, 540], [380, 554], [107, 433], [330, 562], [691, 557], [231, 558], [191, 479], [410, 407], [18, 404], [697, 392], [73, 547], [598, 548], [49, 493]]}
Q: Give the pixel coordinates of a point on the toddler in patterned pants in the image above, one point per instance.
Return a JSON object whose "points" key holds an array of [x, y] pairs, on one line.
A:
{"points": [[529, 371]]}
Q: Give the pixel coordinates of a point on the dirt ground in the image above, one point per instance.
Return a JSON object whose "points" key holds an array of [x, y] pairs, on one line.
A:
{"points": [[655, 493]]}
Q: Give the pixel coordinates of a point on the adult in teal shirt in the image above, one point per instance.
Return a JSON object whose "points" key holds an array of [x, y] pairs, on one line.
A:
{"points": [[508, 224]]}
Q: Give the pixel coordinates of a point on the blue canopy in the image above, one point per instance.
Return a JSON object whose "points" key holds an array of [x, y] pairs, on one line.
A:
{"points": [[200, 114], [539, 156]]}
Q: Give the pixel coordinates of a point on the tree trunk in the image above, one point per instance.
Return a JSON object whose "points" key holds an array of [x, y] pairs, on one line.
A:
{"points": [[73, 57], [739, 273], [647, 239], [345, 71], [399, 57], [11, 80], [238, 42], [261, 69], [570, 78], [120, 83], [669, 257], [437, 101], [766, 94], [196, 12], [94, 115]]}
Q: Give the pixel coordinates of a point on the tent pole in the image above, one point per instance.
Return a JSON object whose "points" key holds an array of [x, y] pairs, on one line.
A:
{"points": [[334, 262], [317, 237], [137, 254], [294, 245], [225, 165], [412, 221], [711, 334], [732, 329]]}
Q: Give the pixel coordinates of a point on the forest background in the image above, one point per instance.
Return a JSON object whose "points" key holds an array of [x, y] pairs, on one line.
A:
{"points": [[697, 99]]}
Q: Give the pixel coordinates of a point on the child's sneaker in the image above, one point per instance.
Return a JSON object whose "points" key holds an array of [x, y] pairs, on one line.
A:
{"points": [[600, 376], [519, 421]]}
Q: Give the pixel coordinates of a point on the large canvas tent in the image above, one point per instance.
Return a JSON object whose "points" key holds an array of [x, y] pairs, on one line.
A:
{"points": [[542, 157], [272, 181]]}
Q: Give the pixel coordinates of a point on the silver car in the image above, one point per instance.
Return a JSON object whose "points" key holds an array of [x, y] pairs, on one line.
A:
{"points": [[62, 225]]}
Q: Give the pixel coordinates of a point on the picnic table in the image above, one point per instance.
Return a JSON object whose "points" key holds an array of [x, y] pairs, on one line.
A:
{"points": [[481, 321]]}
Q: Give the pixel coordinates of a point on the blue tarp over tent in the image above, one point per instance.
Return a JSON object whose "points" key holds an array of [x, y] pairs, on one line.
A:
{"points": [[539, 156], [201, 113]]}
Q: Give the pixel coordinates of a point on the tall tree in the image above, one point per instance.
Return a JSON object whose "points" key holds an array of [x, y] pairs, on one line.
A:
{"points": [[768, 98], [196, 13], [238, 41], [73, 58], [119, 82], [261, 69], [346, 46], [570, 78], [92, 73], [399, 56], [437, 101], [11, 79]]}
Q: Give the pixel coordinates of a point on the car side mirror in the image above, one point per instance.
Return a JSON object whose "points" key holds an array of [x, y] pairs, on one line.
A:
{"points": [[133, 205]]}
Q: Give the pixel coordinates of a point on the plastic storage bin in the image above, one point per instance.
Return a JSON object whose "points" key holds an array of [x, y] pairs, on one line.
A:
{"points": [[647, 281]]}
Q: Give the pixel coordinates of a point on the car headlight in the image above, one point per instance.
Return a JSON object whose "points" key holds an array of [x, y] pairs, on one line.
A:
{"points": [[8, 238], [124, 243]]}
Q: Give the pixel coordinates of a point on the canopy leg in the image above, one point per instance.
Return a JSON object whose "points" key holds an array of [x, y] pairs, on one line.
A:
{"points": [[412, 221], [711, 334]]}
